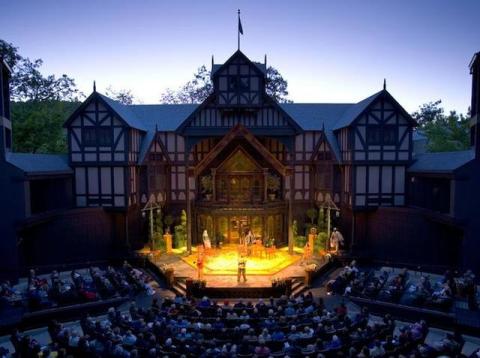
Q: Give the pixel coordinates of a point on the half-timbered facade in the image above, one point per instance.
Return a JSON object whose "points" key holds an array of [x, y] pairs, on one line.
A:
{"points": [[266, 162], [242, 161]]}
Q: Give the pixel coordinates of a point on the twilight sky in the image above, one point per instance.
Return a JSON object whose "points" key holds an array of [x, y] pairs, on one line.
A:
{"points": [[329, 51]]}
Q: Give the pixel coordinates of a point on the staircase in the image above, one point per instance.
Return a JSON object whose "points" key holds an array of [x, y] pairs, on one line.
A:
{"points": [[180, 286], [298, 285]]}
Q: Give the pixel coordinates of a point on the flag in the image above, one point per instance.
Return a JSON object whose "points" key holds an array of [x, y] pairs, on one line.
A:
{"points": [[240, 28]]}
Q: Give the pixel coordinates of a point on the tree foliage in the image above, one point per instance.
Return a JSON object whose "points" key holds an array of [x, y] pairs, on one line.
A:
{"points": [[40, 105], [124, 96], [444, 133], [200, 87], [38, 126], [276, 86], [29, 84]]}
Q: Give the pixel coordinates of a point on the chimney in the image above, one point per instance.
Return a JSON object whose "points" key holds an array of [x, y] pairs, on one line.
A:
{"points": [[474, 108]]}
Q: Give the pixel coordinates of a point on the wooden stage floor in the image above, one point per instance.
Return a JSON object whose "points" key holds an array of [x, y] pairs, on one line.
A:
{"points": [[226, 273]]}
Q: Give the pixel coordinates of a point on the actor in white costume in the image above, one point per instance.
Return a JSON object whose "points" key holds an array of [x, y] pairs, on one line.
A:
{"points": [[206, 240], [336, 239], [250, 238]]}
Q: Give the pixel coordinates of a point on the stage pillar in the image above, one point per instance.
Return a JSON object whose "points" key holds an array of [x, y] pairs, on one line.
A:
{"points": [[290, 214], [189, 204]]}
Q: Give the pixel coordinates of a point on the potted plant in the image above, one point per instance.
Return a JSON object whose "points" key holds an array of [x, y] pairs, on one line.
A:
{"points": [[207, 186], [273, 186]]}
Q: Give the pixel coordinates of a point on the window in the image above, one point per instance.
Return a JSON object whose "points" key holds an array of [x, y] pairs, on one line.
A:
{"points": [[389, 134], [386, 135], [237, 83], [104, 136], [89, 136], [93, 136]]}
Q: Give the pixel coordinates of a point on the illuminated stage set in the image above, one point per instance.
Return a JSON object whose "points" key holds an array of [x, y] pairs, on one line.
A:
{"points": [[217, 268]]}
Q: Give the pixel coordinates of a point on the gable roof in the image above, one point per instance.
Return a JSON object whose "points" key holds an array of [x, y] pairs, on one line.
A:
{"points": [[328, 117], [355, 110], [441, 162], [161, 117], [31, 163], [261, 67], [122, 111], [236, 131]]}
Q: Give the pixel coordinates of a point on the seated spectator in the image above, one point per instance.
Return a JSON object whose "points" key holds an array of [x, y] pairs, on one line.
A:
{"points": [[262, 350]]}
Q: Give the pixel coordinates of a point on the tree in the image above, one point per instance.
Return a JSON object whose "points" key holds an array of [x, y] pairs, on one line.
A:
{"points": [[124, 96], [428, 113], [180, 234], [198, 89], [444, 132], [40, 104], [38, 126], [9, 53], [28, 84], [312, 214], [276, 86]]}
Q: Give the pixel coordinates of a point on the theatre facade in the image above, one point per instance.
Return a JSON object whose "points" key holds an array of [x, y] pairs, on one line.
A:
{"points": [[241, 161]]}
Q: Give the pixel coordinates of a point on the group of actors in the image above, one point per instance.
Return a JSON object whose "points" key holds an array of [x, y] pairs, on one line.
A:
{"points": [[336, 242], [242, 260]]}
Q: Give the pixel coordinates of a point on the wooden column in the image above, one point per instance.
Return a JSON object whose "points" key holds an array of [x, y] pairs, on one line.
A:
{"points": [[189, 204], [290, 213]]}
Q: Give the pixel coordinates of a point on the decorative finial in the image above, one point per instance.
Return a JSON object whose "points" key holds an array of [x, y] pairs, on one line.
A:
{"points": [[94, 86], [212, 61], [265, 60], [384, 84]]}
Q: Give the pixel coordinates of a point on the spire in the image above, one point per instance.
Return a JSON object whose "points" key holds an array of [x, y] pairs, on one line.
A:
{"points": [[265, 60], [213, 61], [94, 86], [384, 84]]}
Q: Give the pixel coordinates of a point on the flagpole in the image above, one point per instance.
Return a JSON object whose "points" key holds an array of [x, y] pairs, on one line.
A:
{"points": [[238, 29]]}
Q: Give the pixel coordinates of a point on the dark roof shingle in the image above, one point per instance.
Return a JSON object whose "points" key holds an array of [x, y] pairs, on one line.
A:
{"points": [[40, 163], [441, 162]]}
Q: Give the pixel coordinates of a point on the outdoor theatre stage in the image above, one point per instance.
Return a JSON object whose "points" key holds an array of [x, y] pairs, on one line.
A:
{"points": [[220, 267]]}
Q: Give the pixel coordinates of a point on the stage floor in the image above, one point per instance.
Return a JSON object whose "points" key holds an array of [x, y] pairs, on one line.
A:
{"points": [[224, 261], [285, 266]]}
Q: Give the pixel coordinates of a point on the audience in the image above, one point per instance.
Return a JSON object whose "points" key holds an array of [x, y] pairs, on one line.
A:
{"points": [[57, 289], [190, 328], [399, 288]]}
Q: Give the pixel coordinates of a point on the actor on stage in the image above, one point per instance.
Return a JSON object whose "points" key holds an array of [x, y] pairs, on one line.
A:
{"points": [[307, 252], [200, 265], [242, 266], [336, 240], [206, 240], [250, 238]]}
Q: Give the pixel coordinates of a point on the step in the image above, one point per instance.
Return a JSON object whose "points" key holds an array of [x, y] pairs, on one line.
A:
{"points": [[180, 288], [299, 290]]}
